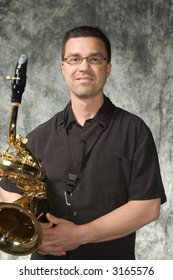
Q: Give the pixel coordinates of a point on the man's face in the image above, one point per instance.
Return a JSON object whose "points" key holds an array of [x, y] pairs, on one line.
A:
{"points": [[85, 80]]}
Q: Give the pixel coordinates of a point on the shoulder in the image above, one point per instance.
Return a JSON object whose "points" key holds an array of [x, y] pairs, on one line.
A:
{"points": [[131, 128], [46, 127], [128, 124], [123, 117], [42, 136], [129, 119]]}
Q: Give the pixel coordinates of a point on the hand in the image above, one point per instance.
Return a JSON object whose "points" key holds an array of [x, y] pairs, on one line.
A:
{"points": [[60, 236]]}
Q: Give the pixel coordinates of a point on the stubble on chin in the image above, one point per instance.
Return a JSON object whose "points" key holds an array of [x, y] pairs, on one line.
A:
{"points": [[83, 95]]}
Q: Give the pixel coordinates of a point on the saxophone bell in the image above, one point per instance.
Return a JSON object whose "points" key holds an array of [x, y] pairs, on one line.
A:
{"points": [[20, 232]]}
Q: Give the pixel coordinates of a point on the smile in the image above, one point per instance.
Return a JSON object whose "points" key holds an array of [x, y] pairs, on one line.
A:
{"points": [[84, 79]]}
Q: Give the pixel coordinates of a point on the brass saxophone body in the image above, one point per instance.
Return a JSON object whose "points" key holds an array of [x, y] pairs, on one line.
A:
{"points": [[20, 231]]}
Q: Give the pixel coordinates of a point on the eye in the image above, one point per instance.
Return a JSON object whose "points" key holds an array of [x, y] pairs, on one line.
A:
{"points": [[74, 59], [95, 59]]}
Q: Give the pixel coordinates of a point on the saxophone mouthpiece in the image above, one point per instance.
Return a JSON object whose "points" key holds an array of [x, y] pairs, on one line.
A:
{"points": [[19, 79]]}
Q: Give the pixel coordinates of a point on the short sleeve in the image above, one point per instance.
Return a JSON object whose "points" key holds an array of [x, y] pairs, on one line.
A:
{"points": [[146, 181], [8, 186]]}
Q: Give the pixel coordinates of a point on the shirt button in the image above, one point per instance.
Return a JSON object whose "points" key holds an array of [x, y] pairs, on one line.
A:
{"points": [[75, 213]]}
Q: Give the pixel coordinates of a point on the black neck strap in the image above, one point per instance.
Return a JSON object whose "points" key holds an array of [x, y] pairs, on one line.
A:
{"points": [[103, 118]]}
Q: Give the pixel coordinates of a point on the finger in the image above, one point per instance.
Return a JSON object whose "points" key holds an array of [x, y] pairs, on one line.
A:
{"points": [[53, 219], [42, 253], [52, 250], [49, 237], [46, 225], [40, 215]]}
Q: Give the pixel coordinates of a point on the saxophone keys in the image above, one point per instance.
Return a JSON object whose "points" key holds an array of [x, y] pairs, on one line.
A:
{"points": [[12, 78], [24, 140]]}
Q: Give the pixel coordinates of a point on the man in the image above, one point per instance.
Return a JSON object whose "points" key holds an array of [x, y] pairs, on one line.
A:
{"points": [[103, 178]]}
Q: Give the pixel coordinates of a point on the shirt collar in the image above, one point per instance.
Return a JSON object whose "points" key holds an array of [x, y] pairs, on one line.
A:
{"points": [[102, 117]]}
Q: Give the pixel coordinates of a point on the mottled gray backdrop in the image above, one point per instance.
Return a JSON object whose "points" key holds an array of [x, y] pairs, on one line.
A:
{"points": [[141, 32]]}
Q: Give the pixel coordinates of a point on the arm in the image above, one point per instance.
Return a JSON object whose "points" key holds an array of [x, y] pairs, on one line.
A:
{"points": [[122, 221], [8, 196]]}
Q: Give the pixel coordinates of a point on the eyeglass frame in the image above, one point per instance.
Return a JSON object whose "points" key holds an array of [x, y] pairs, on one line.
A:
{"points": [[85, 57]]}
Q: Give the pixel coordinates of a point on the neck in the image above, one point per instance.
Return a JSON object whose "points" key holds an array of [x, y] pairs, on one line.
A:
{"points": [[85, 109]]}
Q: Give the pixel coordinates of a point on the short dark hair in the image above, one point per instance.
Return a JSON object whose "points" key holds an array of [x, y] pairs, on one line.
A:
{"points": [[87, 31]]}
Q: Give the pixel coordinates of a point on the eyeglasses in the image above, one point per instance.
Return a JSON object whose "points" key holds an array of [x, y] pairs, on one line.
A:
{"points": [[92, 59]]}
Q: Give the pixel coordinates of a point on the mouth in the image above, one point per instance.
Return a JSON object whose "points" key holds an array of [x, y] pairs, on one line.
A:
{"points": [[84, 78]]}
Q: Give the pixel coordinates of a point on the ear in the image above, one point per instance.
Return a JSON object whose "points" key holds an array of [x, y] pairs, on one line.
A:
{"points": [[109, 67], [62, 67]]}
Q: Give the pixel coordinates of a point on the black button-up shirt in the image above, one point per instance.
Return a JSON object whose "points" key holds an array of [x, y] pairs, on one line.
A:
{"points": [[115, 160]]}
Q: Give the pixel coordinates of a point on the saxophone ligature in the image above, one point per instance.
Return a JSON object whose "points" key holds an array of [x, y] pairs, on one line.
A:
{"points": [[20, 230]]}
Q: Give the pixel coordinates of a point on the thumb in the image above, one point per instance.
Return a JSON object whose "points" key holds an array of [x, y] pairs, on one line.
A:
{"points": [[52, 219]]}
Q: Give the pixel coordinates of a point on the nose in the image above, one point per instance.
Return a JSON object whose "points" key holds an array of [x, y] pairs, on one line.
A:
{"points": [[84, 64]]}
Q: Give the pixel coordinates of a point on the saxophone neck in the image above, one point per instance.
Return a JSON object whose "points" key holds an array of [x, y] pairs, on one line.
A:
{"points": [[13, 123], [17, 141]]}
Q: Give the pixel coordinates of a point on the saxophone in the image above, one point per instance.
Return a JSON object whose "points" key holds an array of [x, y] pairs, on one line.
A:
{"points": [[20, 230]]}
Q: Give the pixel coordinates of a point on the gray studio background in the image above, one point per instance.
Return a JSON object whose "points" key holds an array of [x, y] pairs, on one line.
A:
{"points": [[141, 81]]}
